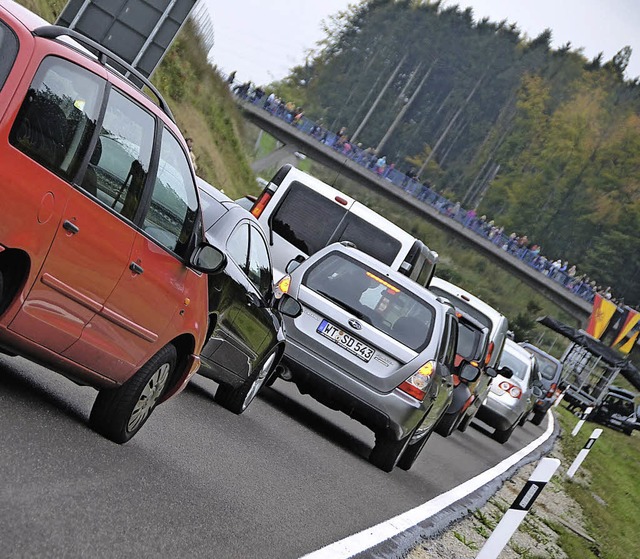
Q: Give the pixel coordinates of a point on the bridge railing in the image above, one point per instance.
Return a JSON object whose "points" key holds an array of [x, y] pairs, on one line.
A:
{"points": [[424, 193]]}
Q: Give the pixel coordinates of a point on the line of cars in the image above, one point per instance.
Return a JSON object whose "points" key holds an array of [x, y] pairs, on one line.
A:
{"points": [[114, 270], [379, 337], [121, 270]]}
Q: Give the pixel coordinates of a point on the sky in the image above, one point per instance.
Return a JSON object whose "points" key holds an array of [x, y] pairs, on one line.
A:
{"points": [[261, 40]]}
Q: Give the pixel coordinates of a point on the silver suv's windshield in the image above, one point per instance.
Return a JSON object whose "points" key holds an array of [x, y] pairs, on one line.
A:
{"points": [[373, 298]]}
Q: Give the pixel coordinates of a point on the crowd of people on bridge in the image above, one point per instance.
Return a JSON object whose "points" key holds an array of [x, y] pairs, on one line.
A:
{"points": [[519, 246]]}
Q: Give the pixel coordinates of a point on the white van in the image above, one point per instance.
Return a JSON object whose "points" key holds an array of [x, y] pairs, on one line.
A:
{"points": [[301, 214], [498, 326]]}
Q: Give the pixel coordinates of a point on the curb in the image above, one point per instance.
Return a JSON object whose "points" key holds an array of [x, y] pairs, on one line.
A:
{"points": [[396, 537]]}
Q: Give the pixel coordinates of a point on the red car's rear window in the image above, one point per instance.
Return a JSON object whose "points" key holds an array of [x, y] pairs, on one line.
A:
{"points": [[9, 50]]}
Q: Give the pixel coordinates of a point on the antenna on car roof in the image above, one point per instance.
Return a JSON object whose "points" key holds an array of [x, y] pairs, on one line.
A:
{"points": [[333, 184]]}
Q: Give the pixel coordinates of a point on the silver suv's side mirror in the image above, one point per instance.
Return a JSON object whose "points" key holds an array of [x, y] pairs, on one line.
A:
{"points": [[293, 264]]}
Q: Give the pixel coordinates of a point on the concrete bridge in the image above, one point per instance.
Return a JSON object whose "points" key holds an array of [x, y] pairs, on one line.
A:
{"points": [[294, 139]]}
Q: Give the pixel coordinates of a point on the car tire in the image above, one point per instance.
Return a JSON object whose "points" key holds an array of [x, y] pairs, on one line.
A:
{"points": [[237, 399], [387, 451], [503, 436], [538, 417], [447, 424], [412, 451], [119, 413], [465, 422], [523, 419]]}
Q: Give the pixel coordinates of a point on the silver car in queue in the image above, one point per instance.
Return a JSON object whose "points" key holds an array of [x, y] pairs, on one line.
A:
{"points": [[373, 344], [511, 400]]}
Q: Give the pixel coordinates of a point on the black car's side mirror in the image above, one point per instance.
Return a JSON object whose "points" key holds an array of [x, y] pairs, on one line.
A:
{"points": [[491, 372], [208, 259], [468, 372], [293, 264], [537, 391], [289, 306], [506, 372]]}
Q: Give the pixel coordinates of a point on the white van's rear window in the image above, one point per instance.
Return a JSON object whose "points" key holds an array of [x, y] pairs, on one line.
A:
{"points": [[310, 221]]}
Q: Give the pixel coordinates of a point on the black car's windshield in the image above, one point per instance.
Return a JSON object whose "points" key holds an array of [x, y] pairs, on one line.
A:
{"points": [[470, 342], [546, 366], [373, 298]]}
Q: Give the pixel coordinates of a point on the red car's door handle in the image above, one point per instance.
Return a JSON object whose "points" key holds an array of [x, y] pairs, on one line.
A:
{"points": [[136, 268], [71, 227]]}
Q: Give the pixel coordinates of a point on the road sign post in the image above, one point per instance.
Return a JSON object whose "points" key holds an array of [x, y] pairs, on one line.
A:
{"points": [[518, 510], [580, 423], [583, 453]]}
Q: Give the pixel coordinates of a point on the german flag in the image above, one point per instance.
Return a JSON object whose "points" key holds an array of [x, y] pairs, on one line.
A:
{"points": [[629, 332], [603, 311]]}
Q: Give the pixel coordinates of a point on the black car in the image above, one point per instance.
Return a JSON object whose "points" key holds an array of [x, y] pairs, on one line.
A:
{"points": [[617, 410], [245, 337]]}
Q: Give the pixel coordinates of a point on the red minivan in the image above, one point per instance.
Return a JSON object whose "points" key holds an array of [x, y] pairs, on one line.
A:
{"points": [[102, 259]]}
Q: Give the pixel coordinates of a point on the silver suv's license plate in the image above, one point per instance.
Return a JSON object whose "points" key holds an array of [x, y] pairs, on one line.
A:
{"points": [[347, 341]]}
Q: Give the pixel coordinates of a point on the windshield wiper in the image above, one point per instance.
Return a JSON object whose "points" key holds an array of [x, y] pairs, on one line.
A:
{"points": [[346, 307]]}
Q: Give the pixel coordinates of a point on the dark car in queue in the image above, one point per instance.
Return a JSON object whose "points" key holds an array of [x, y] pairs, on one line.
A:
{"points": [[373, 344], [245, 336], [550, 370], [473, 344], [498, 326]]}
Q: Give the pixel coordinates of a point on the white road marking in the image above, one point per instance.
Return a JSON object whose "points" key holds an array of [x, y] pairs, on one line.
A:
{"points": [[357, 543]]}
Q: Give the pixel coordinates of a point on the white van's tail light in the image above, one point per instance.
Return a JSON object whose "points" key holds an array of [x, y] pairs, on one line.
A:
{"points": [[489, 353], [261, 203], [552, 390], [282, 287], [511, 389], [418, 384]]}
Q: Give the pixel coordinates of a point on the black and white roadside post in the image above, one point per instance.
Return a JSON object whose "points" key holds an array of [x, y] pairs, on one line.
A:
{"points": [[518, 510], [583, 453], [580, 423], [560, 398]]}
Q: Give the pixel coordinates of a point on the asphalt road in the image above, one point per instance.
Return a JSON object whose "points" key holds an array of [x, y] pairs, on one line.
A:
{"points": [[280, 481]]}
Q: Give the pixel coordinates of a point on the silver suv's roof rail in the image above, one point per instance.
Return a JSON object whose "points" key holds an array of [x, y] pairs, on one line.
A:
{"points": [[103, 54]]}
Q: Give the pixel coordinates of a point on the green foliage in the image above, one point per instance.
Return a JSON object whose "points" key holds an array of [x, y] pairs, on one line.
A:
{"points": [[460, 537], [546, 140], [612, 465]]}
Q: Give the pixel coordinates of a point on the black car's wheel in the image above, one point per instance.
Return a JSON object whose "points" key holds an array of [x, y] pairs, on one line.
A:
{"points": [[503, 436], [414, 448], [447, 424], [465, 422], [538, 417], [238, 399], [119, 413], [523, 419]]}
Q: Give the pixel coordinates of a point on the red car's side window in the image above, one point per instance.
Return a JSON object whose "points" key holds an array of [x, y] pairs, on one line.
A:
{"points": [[174, 203], [120, 162], [9, 50], [58, 116]]}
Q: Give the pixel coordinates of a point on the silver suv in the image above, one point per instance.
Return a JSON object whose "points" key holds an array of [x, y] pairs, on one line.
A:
{"points": [[373, 344]]}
